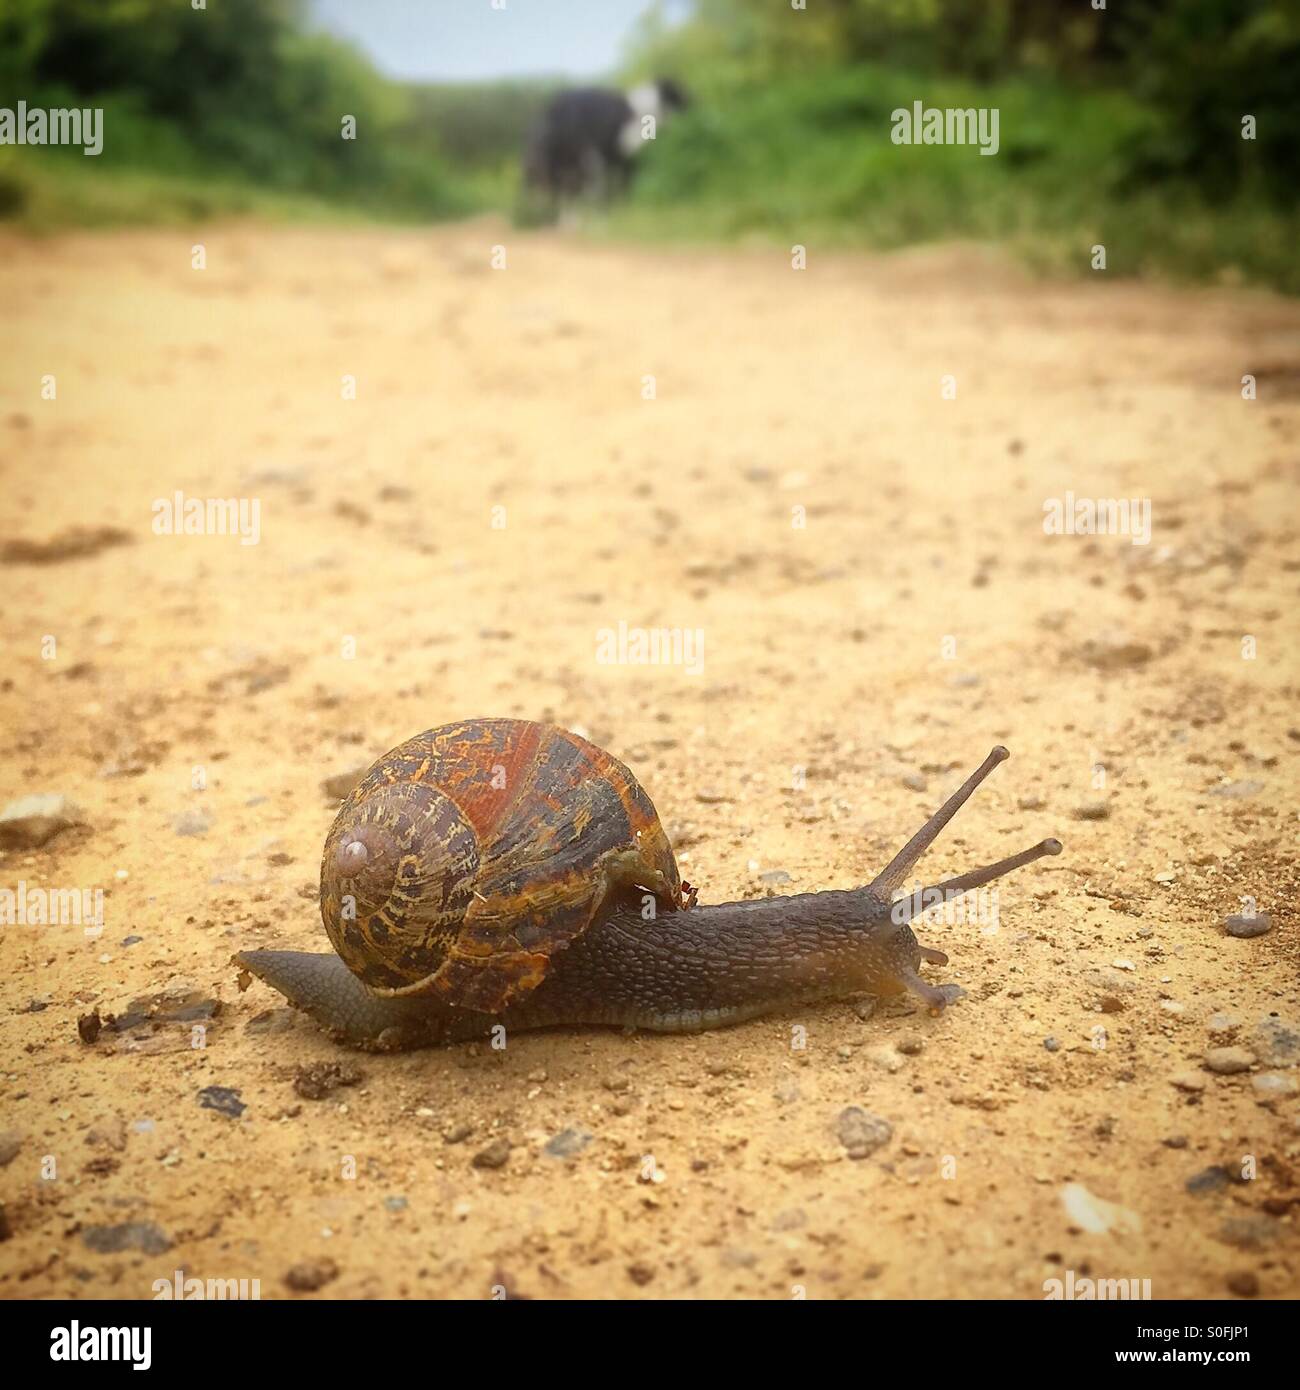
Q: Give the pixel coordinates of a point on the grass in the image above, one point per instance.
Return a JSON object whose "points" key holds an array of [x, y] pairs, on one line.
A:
{"points": [[149, 172], [43, 197], [811, 161]]}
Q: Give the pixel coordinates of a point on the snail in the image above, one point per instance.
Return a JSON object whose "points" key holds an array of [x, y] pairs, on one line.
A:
{"points": [[498, 871]]}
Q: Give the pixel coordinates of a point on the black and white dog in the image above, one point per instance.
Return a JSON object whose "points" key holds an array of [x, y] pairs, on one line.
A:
{"points": [[586, 141]]}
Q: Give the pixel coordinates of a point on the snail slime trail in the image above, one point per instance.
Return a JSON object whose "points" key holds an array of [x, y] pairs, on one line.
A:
{"points": [[456, 898]]}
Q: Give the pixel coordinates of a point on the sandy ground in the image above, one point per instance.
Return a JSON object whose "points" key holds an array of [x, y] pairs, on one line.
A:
{"points": [[1059, 1118]]}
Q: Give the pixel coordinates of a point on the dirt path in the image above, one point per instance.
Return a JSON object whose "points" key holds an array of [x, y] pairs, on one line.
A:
{"points": [[920, 616]]}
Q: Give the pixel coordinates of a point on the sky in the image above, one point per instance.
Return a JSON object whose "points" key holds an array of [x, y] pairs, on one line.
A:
{"points": [[462, 40]]}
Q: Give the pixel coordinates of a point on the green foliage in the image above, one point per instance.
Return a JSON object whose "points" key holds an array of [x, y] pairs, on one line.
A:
{"points": [[1197, 65], [239, 92], [809, 159], [736, 42], [1120, 126], [1201, 65]]}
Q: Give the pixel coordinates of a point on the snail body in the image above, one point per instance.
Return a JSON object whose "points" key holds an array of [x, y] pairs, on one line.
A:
{"points": [[502, 872]]}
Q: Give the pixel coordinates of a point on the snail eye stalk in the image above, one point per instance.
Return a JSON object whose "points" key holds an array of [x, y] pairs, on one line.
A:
{"points": [[892, 875]]}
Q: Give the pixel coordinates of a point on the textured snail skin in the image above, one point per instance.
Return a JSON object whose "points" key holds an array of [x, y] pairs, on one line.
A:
{"points": [[681, 972]]}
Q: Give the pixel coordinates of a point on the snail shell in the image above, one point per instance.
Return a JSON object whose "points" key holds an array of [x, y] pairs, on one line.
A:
{"points": [[468, 856]]}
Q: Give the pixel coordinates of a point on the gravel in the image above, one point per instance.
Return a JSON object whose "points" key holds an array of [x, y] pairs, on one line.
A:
{"points": [[861, 1132]]}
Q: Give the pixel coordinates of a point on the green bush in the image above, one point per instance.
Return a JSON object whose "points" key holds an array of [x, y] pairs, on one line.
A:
{"points": [[809, 158], [237, 92]]}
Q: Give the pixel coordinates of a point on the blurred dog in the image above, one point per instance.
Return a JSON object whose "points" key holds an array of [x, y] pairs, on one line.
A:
{"points": [[585, 144]]}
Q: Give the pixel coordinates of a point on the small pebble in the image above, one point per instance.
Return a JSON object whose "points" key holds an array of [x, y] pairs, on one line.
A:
{"points": [[315, 1080], [1092, 810], [1276, 1043], [1094, 1214], [1115, 653], [710, 796], [1228, 1061], [861, 1132], [494, 1156], [567, 1143], [223, 1100], [32, 820], [1207, 1180], [310, 1275], [1188, 1081], [885, 1057], [1260, 924], [1244, 1283]]}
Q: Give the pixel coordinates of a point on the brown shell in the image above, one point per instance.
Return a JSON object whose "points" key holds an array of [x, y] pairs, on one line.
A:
{"points": [[488, 846]]}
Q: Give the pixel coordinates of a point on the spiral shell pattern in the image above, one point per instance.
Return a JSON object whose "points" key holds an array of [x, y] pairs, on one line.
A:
{"points": [[470, 855]]}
